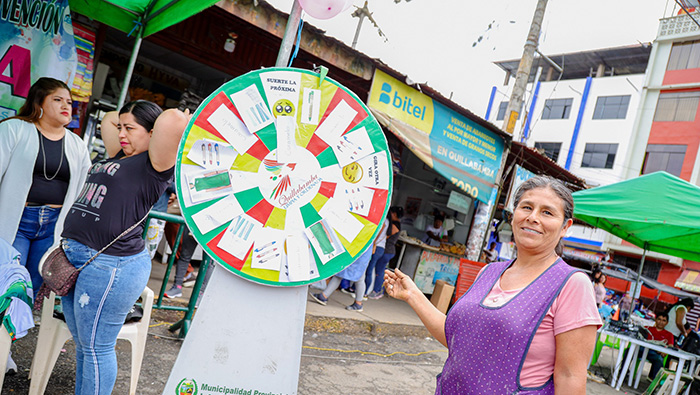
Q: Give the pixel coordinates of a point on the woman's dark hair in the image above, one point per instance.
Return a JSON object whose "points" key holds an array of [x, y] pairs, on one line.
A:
{"points": [[31, 109], [558, 188], [594, 273], [398, 210], [144, 112], [689, 303]]}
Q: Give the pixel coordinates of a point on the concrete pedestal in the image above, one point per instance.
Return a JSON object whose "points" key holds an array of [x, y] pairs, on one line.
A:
{"points": [[245, 339]]}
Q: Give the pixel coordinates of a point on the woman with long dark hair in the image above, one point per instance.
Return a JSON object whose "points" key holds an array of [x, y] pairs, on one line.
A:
{"points": [[42, 168], [118, 193]]}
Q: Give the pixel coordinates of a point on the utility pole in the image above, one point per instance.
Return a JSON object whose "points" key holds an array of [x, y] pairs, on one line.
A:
{"points": [[360, 13], [516, 99]]}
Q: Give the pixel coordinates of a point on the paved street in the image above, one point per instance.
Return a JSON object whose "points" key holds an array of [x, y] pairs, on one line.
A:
{"points": [[382, 350], [354, 362]]}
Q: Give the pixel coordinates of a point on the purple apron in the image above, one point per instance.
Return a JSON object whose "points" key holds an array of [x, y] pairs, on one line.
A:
{"points": [[487, 345]]}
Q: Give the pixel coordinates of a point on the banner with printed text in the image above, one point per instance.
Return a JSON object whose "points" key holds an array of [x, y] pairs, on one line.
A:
{"points": [[36, 40], [461, 150]]}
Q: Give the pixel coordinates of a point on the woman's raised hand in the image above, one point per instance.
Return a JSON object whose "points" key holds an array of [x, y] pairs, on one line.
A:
{"points": [[398, 285]]}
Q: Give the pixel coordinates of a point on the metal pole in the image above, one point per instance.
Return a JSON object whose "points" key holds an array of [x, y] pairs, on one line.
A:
{"points": [[639, 278], [130, 68], [521, 78], [357, 32], [290, 33], [360, 13]]}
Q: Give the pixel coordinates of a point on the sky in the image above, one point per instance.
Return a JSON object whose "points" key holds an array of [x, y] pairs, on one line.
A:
{"points": [[432, 41]]}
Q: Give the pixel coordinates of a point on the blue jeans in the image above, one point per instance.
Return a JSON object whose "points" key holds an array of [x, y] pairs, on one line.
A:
{"points": [[95, 310], [34, 237], [379, 268], [378, 252], [657, 361]]}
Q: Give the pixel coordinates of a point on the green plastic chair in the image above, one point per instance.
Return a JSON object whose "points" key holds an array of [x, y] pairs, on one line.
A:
{"points": [[610, 341]]}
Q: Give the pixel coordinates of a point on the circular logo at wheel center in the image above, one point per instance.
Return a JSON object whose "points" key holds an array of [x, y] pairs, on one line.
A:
{"points": [[290, 184]]}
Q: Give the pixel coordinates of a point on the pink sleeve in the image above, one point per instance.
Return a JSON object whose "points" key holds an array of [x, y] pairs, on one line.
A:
{"points": [[575, 306]]}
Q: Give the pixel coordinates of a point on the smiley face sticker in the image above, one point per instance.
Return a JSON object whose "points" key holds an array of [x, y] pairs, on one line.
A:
{"points": [[352, 173]]}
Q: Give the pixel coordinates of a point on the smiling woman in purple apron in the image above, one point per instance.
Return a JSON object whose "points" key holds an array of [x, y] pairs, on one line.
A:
{"points": [[525, 326]]}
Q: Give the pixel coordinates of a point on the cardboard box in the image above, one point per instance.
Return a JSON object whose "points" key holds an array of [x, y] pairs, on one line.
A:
{"points": [[442, 294]]}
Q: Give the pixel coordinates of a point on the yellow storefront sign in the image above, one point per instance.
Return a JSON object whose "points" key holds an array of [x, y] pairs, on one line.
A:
{"points": [[401, 102]]}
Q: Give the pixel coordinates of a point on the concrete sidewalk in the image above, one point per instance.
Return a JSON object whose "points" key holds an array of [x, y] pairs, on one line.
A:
{"points": [[385, 316]]}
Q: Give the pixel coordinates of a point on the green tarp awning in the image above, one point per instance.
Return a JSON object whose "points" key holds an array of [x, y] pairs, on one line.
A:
{"points": [[155, 15], [656, 212]]}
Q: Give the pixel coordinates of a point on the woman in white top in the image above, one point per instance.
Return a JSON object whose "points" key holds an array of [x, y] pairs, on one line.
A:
{"points": [[677, 317], [42, 168]]}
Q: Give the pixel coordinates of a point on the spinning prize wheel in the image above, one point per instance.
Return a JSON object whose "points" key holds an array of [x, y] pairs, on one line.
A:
{"points": [[283, 177]]}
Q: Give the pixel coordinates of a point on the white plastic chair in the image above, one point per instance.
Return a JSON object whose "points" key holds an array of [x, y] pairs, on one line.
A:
{"points": [[53, 333], [5, 343]]}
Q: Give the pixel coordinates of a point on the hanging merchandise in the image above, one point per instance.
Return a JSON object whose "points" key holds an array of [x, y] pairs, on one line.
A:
{"points": [[85, 48], [283, 178]]}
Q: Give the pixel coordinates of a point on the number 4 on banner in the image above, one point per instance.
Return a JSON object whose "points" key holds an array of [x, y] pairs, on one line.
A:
{"points": [[19, 60]]}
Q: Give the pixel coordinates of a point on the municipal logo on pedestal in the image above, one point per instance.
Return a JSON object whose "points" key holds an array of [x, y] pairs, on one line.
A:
{"points": [[186, 387]]}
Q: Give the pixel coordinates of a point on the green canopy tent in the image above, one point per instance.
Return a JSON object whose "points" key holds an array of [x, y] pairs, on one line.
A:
{"points": [[656, 212], [140, 18]]}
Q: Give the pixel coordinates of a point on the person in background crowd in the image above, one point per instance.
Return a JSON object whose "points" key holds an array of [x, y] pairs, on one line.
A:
{"points": [[391, 236], [435, 233], [677, 317], [127, 185], [378, 252], [182, 265], [42, 168], [625, 305], [355, 273], [490, 254], [658, 332], [526, 325], [599, 288]]}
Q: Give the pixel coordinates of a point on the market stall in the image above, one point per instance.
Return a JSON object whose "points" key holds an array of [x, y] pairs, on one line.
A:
{"points": [[427, 264], [635, 211]]}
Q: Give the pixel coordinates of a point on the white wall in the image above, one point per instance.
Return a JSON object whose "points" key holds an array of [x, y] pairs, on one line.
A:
{"points": [[592, 131]]}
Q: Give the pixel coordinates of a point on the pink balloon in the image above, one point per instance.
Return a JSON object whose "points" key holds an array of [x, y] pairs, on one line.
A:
{"points": [[324, 9]]}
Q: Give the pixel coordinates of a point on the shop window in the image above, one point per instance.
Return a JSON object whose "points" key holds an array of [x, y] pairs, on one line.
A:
{"points": [[684, 55], [611, 107], [677, 107], [601, 156], [664, 157], [502, 111], [557, 108], [651, 269], [550, 150]]}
